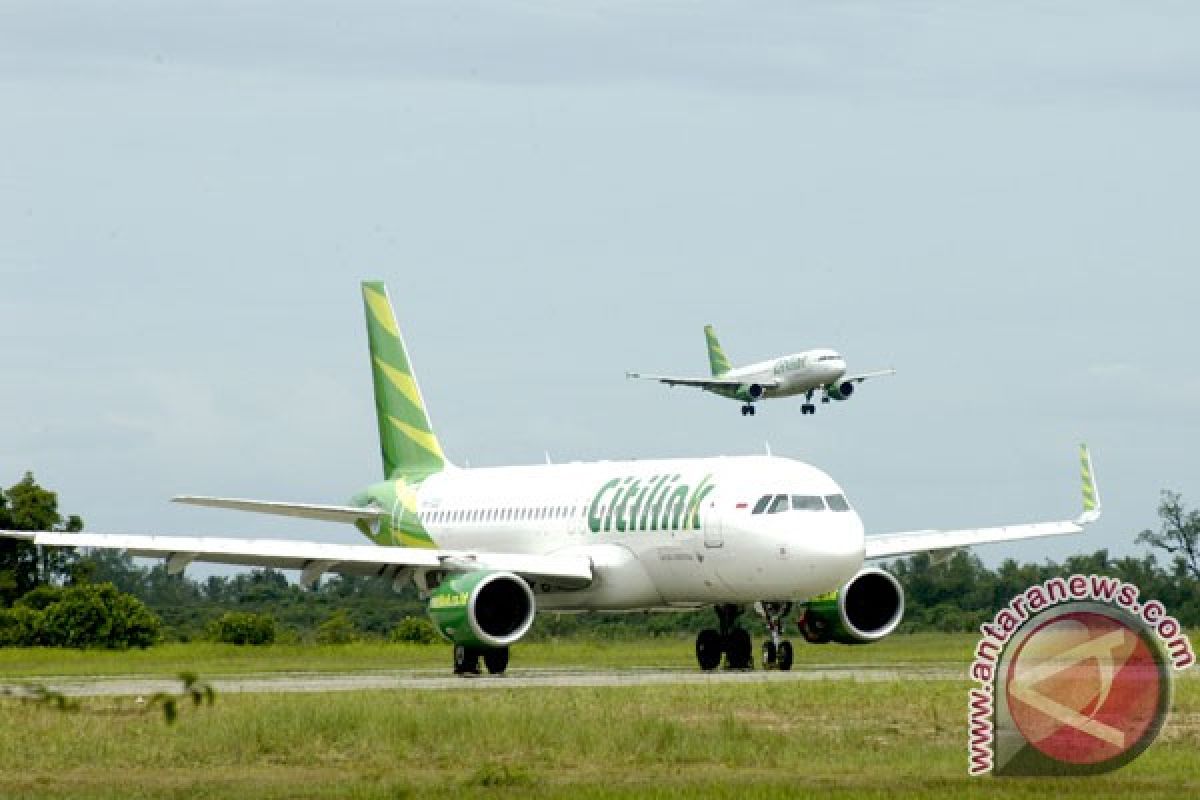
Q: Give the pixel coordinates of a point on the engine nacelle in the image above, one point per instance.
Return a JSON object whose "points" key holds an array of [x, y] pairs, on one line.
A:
{"points": [[867, 608], [840, 391], [482, 609], [749, 392]]}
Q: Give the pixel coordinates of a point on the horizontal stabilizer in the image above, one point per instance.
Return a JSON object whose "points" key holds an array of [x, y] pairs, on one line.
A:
{"points": [[349, 514]]}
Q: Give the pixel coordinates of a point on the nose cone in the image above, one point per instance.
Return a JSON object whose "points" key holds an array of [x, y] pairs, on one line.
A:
{"points": [[832, 367]]}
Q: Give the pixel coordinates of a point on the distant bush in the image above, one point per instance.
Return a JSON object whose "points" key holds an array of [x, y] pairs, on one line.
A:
{"points": [[243, 627], [20, 626], [97, 615], [39, 598], [415, 630], [338, 628], [90, 615]]}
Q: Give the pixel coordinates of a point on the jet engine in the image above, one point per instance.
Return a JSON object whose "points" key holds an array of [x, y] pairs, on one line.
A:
{"points": [[485, 609], [749, 392], [840, 391], [867, 608]]}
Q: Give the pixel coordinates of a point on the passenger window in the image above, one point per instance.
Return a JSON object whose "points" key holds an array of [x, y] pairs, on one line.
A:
{"points": [[837, 502], [762, 504], [779, 504]]}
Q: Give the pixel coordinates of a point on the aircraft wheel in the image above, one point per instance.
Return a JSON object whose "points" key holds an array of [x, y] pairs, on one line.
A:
{"points": [[739, 650], [768, 654], [496, 660], [815, 631], [785, 656], [466, 660], [708, 649]]}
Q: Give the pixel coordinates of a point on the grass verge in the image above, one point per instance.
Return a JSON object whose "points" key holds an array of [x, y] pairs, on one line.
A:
{"points": [[829, 739]]}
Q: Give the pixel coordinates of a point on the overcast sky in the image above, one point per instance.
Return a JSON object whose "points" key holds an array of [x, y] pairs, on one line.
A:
{"points": [[999, 200]]}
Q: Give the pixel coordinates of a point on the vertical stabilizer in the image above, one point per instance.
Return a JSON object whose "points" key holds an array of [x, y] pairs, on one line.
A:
{"points": [[409, 446], [716, 356]]}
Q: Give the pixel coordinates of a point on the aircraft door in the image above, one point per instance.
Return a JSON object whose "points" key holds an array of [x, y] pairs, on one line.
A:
{"points": [[713, 534]]}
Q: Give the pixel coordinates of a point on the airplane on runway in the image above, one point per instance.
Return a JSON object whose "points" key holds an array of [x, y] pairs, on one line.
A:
{"points": [[807, 373], [489, 547]]}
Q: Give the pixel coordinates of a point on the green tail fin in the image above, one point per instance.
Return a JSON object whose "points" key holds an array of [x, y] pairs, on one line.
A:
{"points": [[410, 447], [1091, 495], [716, 356]]}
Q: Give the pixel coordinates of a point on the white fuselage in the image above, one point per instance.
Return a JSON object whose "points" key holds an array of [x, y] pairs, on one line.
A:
{"points": [[660, 534], [798, 373]]}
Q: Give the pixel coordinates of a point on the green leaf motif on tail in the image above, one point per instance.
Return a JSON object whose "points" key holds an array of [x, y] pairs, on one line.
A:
{"points": [[716, 356], [408, 444]]}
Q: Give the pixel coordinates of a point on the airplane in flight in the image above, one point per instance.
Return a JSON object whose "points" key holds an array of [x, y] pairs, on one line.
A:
{"points": [[489, 547], [809, 373]]}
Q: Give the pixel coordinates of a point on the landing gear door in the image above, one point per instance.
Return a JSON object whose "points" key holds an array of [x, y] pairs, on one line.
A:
{"points": [[713, 536]]}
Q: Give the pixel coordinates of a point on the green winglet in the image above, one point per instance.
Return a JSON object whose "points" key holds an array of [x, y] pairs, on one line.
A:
{"points": [[1091, 495], [407, 442], [716, 356]]}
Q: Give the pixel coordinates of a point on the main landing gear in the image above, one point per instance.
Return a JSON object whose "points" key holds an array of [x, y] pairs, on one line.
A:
{"points": [[747, 410], [776, 651], [466, 660], [730, 640]]}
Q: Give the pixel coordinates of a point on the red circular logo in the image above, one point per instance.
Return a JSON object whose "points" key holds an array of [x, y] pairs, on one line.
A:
{"points": [[1085, 687]]}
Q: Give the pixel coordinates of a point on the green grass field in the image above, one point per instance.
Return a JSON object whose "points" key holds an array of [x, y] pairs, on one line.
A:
{"points": [[219, 659], [828, 739]]}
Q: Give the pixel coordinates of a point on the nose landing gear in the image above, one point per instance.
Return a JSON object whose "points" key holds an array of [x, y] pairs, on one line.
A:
{"points": [[747, 410], [808, 407], [776, 651]]}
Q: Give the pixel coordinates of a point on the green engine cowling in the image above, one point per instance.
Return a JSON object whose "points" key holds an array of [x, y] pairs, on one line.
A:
{"points": [[840, 391], [487, 609], [867, 608], [749, 392]]}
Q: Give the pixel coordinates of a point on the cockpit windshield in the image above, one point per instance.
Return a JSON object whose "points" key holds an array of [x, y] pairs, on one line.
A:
{"points": [[778, 503], [837, 502], [805, 502]]}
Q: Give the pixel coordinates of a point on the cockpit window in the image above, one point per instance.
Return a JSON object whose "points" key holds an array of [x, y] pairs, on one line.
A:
{"points": [[805, 502], [780, 503], [837, 502], [762, 504], [828, 358]]}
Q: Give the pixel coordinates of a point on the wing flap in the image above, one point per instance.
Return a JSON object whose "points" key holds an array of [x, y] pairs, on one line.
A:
{"points": [[862, 376], [900, 544], [353, 559], [701, 383]]}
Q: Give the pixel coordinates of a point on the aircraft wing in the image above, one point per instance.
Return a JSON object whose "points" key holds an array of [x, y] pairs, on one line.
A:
{"points": [[316, 558], [902, 544], [862, 376], [350, 514], [701, 383]]}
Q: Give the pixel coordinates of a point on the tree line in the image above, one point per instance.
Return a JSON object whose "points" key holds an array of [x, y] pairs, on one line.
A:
{"points": [[57, 596]]}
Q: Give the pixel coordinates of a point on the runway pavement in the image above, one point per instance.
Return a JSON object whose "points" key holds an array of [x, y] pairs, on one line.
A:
{"points": [[516, 678]]}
